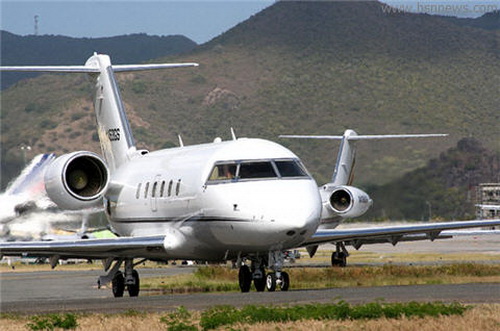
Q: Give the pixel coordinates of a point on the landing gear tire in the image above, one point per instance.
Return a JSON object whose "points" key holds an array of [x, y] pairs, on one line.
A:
{"points": [[284, 281], [339, 259], [245, 278], [118, 284], [260, 283], [271, 282], [133, 289]]}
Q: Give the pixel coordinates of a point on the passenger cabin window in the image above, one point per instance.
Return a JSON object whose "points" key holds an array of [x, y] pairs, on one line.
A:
{"points": [[146, 188], [170, 187], [162, 189], [138, 192], [153, 192], [178, 187]]}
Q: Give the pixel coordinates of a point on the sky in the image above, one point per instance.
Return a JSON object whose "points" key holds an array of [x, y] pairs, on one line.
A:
{"points": [[199, 20]]}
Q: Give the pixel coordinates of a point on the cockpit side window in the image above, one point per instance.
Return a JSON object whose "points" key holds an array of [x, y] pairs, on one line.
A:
{"points": [[254, 170], [223, 172], [290, 168]]}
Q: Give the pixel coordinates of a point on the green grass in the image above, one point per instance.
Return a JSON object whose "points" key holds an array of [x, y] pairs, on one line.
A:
{"points": [[224, 279], [228, 315], [53, 321]]}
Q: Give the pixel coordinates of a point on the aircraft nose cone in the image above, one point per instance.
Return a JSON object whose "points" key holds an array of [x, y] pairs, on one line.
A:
{"points": [[301, 212]]}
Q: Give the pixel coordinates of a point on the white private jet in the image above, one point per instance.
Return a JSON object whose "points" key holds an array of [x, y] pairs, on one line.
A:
{"points": [[245, 199]]}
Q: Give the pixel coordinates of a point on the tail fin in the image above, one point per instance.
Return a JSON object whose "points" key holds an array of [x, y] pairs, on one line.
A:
{"points": [[343, 172], [115, 135]]}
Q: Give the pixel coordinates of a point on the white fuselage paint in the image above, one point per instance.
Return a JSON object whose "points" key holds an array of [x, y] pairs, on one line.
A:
{"points": [[212, 220]]}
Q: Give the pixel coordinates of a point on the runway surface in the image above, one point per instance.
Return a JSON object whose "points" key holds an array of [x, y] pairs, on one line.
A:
{"points": [[65, 291], [76, 291]]}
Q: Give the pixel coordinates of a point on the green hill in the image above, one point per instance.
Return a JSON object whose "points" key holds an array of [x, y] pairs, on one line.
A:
{"points": [[296, 67], [444, 188], [60, 50]]}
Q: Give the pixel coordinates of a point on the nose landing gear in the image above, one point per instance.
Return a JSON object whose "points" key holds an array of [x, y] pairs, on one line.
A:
{"points": [[273, 280]]}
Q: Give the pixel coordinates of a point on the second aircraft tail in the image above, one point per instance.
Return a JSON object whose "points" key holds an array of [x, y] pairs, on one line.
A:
{"points": [[343, 172]]}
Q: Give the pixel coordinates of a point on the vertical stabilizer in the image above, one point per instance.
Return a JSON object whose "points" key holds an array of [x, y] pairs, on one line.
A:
{"points": [[113, 128], [115, 136], [343, 174]]}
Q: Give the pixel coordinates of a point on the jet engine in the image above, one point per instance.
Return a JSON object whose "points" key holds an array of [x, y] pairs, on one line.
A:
{"points": [[77, 180], [345, 201]]}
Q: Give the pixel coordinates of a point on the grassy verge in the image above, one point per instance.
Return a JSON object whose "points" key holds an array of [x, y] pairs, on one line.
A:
{"points": [[213, 279], [322, 257], [335, 316]]}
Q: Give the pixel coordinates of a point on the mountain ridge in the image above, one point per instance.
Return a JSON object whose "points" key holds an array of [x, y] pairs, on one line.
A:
{"points": [[318, 85], [63, 50]]}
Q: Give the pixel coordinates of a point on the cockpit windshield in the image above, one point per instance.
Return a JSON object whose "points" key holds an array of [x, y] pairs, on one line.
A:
{"points": [[290, 169], [244, 170], [250, 170], [223, 172]]}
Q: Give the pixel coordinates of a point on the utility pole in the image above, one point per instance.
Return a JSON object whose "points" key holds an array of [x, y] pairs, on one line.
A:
{"points": [[36, 25]]}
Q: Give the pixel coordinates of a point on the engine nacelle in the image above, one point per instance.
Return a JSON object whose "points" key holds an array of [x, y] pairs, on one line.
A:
{"points": [[77, 180], [345, 201]]}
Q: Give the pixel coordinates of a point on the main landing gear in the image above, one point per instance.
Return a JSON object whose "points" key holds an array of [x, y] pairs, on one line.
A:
{"points": [[339, 257], [256, 273], [129, 279]]}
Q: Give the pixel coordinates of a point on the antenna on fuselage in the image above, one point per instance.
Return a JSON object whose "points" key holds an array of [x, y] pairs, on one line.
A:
{"points": [[181, 143], [232, 134]]}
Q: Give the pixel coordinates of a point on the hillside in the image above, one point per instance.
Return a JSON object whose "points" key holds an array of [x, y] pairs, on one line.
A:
{"points": [[48, 49], [445, 187], [488, 21], [296, 67]]}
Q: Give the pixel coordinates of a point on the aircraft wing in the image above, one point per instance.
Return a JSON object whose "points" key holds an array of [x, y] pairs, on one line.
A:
{"points": [[393, 234], [151, 247]]}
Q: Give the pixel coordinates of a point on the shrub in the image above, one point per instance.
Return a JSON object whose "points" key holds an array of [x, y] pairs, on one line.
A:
{"points": [[179, 320], [52, 321]]}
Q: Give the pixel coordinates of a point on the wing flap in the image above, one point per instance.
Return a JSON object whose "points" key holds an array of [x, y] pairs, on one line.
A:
{"points": [[150, 247], [393, 234]]}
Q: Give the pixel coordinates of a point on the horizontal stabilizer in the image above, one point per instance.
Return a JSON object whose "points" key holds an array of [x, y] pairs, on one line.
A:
{"points": [[92, 69], [367, 137], [75, 69], [141, 67]]}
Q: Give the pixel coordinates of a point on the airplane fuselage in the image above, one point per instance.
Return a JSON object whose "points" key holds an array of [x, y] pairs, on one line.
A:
{"points": [[269, 202]]}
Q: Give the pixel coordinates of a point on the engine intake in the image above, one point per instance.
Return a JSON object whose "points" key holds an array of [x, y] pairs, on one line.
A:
{"points": [[77, 180], [340, 200], [345, 201]]}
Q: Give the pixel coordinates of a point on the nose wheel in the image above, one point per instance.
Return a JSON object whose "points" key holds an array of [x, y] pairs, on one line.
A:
{"points": [[276, 279], [279, 280]]}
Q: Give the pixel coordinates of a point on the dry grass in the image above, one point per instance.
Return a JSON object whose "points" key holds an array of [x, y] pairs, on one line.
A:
{"points": [[324, 256], [212, 279], [481, 317], [95, 265]]}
